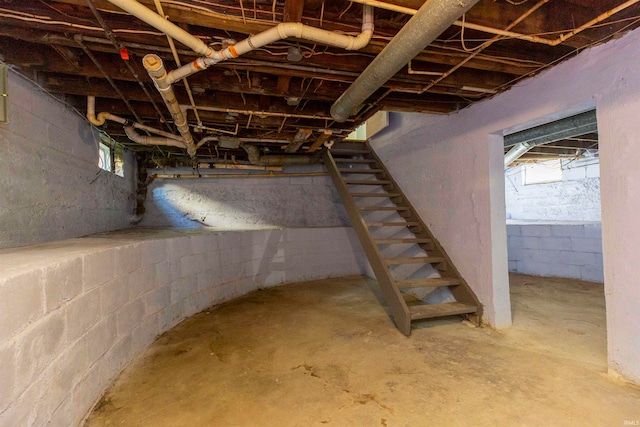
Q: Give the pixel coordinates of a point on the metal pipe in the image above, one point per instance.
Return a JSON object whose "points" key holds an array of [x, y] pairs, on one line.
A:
{"points": [[258, 113], [255, 158], [429, 22], [151, 140], [158, 73], [100, 119], [516, 152], [238, 175]]}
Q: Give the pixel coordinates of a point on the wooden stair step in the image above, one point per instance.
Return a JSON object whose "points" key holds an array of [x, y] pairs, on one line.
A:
{"points": [[376, 194], [399, 241], [350, 151], [415, 260], [339, 160], [365, 171], [427, 283], [394, 224], [384, 208], [429, 311], [366, 182]]}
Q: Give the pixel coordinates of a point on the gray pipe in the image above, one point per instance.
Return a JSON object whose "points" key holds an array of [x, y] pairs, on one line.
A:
{"points": [[431, 20], [278, 159]]}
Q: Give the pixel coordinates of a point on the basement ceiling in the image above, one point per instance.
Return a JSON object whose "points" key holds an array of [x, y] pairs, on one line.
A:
{"points": [[280, 95]]}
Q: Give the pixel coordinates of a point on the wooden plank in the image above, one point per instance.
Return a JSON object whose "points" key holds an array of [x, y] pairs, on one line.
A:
{"points": [[429, 311], [366, 182], [355, 160], [376, 195], [393, 224], [317, 144], [427, 283], [415, 260], [401, 241], [383, 208], [362, 171]]}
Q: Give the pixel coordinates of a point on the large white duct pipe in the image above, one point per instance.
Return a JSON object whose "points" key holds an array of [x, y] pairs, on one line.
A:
{"points": [[431, 20]]}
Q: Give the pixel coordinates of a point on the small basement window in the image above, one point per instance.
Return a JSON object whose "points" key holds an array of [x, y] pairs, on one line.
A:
{"points": [[542, 172], [111, 156]]}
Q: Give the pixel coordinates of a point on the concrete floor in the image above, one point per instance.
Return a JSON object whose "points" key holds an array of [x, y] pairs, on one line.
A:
{"points": [[325, 353]]}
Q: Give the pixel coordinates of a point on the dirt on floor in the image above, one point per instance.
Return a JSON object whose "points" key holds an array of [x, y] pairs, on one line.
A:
{"points": [[326, 353]]}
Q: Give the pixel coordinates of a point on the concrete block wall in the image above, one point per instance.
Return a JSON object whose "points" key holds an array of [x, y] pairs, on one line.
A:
{"points": [[572, 250], [51, 187], [73, 313], [283, 201]]}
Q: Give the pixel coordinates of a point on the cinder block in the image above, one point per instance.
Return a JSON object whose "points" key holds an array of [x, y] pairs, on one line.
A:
{"points": [[567, 230], [37, 347], [21, 302], [513, 230], [183, 287], [163, 274], [127, 259], [192, 264], [592, 273], [7, 373], [203, 243], [576, 258], [69, 368], [179, 247], [153, 251], [98, 268], [88, 389], [593, 231], [101, 338], [156, 300], [535, 230], [555, 243], [82, 314], [114, 295], [513, 266], [118, 355], [549, 270], [523, 242], [586, 245], [62, 283], [129, 316], [227, 240], [144, 333], [171, 316]]}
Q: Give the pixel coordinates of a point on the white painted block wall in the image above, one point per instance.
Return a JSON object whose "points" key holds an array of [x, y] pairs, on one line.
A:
{"points": [[556, 250], [73, 313], [51, 187], [285, 201], [451, 169]]}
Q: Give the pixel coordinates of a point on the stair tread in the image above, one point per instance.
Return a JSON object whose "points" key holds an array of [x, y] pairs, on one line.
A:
{"points": [[416, 260], [367, 182], [339, 160], [427, 283], [393, 224], [376, 194], [404, 240], [384, 208], [364, 171], [349, 151], [428, 311]]}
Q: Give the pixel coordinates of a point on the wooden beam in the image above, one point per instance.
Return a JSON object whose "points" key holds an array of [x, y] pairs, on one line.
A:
{"points": [[326, 134], [300, 137], [293, 10]]}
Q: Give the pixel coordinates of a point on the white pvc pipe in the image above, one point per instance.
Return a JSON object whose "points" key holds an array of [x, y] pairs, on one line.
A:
{"points": [[155, 67], [100, 119], [151, 140]]}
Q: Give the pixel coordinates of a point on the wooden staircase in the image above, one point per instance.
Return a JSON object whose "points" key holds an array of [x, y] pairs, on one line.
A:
{"points": [[415, 274]]}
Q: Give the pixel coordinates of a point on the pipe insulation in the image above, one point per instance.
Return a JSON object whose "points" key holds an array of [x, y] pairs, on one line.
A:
{"points": [[151, 140], [431, 20], [255, 158]]}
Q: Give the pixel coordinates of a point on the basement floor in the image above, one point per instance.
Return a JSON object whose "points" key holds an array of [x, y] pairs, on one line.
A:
{"points": [[326, 353]]}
